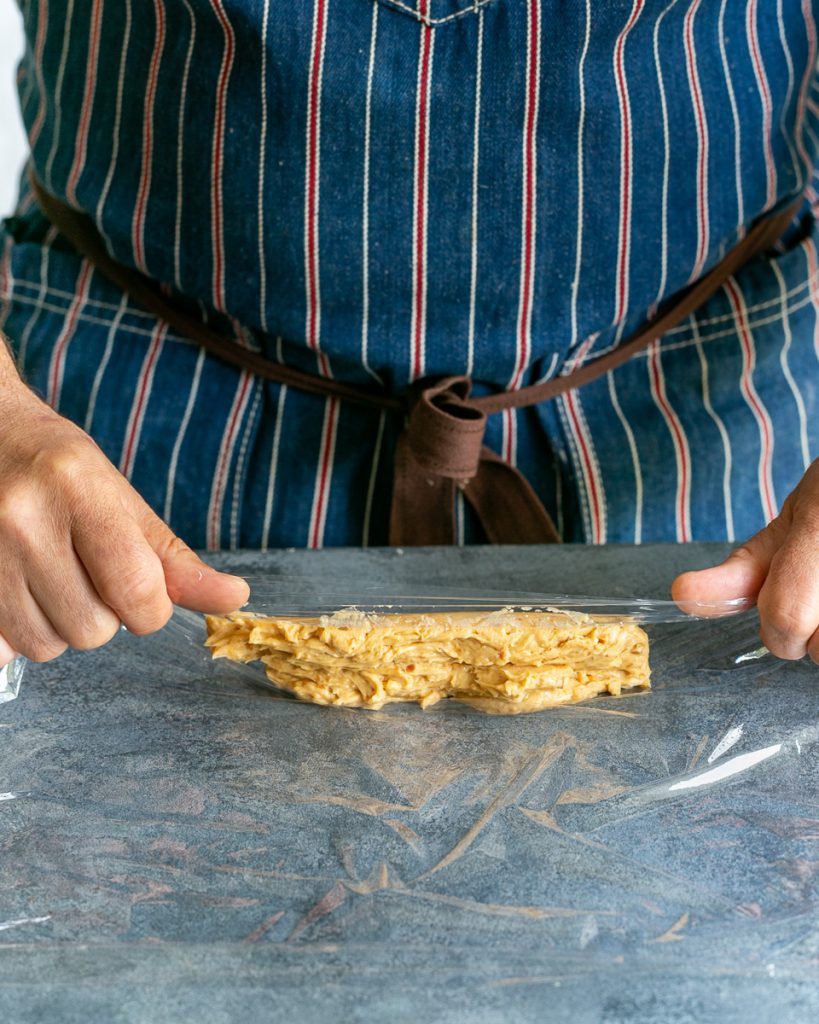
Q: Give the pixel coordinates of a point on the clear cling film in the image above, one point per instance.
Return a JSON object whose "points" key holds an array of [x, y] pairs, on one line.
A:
{"points": [[284, 595], [370, 645], [158, 801], [290, 596], [10, 678]]}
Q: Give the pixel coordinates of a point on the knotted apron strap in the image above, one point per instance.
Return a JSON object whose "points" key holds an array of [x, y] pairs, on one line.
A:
{"points": [[760, 236], [81, 231], [442, 448]]}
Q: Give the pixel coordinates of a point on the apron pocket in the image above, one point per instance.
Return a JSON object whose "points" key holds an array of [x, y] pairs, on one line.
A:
{"points": [[435, 12]]}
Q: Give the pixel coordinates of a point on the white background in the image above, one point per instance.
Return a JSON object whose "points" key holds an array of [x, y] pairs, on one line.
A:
{"points": [[12, 139]]}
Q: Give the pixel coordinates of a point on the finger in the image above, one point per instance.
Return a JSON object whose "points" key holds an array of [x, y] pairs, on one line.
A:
{"points": [[27, 630], [739, 578], [191, 583], [6, 653], [789, 599], [123, 568], [71, 603]]}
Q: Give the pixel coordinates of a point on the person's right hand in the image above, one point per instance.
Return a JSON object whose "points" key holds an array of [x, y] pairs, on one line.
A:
{"points": [[80, 551]]}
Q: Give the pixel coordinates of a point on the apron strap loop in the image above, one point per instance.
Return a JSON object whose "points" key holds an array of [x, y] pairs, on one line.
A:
{"points": [[441, 450]]}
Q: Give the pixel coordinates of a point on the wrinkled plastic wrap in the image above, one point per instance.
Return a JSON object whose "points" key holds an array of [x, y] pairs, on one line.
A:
{"points": [[353, 608], [284, 596], [10, 678], [174, 837]]}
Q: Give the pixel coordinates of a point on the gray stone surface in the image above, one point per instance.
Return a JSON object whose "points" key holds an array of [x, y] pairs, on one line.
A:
{"points": [[178, 845]]}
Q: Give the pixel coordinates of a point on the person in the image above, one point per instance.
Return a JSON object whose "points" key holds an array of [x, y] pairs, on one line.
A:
{"points": [[385, 192]]}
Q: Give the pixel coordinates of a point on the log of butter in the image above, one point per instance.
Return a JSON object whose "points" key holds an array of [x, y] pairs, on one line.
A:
{"points": [[502, 661]]}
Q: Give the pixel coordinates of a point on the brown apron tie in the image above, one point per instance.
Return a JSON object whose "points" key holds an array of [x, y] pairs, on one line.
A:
{"points": [[441, 449]]}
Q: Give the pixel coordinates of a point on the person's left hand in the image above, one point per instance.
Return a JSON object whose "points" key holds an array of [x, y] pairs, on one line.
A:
{"points": [[779, 569]]}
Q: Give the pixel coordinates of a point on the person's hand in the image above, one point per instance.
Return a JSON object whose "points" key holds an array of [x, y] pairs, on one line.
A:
{"points": [[779, 569], [80, 551]]}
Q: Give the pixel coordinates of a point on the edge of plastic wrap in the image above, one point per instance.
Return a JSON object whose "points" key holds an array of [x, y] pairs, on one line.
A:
{"points": [[11, 676], [723, 645]]}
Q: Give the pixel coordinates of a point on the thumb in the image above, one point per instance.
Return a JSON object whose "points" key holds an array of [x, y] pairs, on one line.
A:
{"points": [[191, 583], [740, 576]]}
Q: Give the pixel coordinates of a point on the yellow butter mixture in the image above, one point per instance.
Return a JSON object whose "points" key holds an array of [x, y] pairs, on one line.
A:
{"points": [[503, 661]]}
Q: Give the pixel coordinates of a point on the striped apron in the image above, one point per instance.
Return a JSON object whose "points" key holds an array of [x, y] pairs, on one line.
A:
{"points": [[380, 191]]}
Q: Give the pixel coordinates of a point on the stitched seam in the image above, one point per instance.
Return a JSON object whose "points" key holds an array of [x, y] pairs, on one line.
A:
{"points": [[14, 296], [723, 318], [452, 431], [683, 328], [444, 469], [717, 335], [755, 308], [145, 333], [70, 296], [434, 22], [96, 320]]}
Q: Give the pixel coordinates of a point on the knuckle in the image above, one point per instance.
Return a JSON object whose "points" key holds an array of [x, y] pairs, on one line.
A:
{"points": [[788, 623], [19, 507], [134, 587], [151, 621], [95, 631], [177, 546], [141, 598], [172, 546], [42, 649], [63, 462]]}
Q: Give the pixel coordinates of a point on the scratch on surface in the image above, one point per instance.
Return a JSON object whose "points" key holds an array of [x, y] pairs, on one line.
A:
{"points": [[692, 764], [288, 876], [5, 925], [505, 909], [672, 935], [410, 838], [264, 927], [329, 902], [365, 805], [581, 709], [590, 794], [525, 777], [548, 820], [378, 880], [182, 821], [153, 894], [346, 854]]}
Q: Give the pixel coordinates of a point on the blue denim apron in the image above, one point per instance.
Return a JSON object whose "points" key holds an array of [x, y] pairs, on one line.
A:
{"points": [[387, 190]]}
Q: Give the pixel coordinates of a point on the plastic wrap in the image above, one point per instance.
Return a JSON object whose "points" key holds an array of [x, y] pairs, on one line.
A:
{"points": [[173, 836], [353, 606], [292, 596], [10, 677]]}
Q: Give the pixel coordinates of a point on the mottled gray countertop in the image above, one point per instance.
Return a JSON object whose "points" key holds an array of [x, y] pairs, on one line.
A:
{"points": [[178, 845]]}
